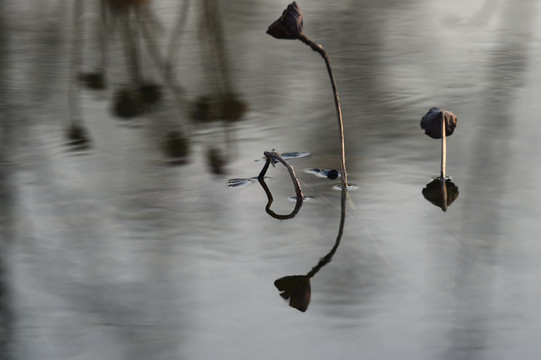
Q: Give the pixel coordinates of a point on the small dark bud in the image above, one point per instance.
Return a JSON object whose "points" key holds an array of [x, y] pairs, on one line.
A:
{"points": [[431, 122], [289, 25], [332, 174]]}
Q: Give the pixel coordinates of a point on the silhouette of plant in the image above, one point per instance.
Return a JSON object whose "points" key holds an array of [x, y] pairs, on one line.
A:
{"points": [[438, 124], [290, 27]]}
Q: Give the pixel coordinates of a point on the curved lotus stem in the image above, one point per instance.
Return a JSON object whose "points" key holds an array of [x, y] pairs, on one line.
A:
{"points": [[289, 26], [298, 191], [327, 258]]}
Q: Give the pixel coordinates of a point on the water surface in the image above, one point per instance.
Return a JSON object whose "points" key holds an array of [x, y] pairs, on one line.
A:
{"points": [[115, 251]]}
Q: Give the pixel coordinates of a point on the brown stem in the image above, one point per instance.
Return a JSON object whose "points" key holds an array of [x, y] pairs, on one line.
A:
{"points": [[327, 258], [319, 49], [298, 191], [443, 148]]}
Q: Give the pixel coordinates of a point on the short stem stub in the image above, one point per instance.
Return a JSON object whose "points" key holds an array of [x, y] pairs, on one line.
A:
{"points": [[443, 148]]}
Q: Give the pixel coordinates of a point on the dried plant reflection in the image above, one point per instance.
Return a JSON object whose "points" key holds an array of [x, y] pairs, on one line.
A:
{"points": [[223, 102], [76, 134], [297, 288], [441, 192]]}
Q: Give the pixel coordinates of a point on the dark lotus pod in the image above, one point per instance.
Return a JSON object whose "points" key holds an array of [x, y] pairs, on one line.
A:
{"points": [[296, 288], [441, 193], [289, 25], [431, 122]]}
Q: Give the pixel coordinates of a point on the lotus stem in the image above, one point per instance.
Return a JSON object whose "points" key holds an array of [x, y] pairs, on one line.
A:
{"points": [[298, 191], [319, 49], [327, 258], [443, 148]]}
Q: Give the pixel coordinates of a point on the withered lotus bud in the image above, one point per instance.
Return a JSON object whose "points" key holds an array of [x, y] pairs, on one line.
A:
{"points": [[289, 25], [431, 122]]}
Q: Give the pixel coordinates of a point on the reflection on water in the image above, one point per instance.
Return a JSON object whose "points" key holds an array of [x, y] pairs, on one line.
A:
{"points": [[296, 288], [109, 252], [441, 192], [135, 27]]}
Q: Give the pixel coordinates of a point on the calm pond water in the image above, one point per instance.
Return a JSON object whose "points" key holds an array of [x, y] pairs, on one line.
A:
{"points": [[128, 246]]}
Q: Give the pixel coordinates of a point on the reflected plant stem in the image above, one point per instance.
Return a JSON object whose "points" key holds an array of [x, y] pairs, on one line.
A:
{"points": [[155, 53], [443, 148], [174, 42], [214, 28], [444, 193], [103, 29], [298, 191], [319, 49], [296, 288], [131, 51], [327, 258], [74, 107]]}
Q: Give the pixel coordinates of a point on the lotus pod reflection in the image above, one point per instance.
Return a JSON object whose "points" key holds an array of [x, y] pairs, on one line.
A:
{"points": [[431, 123], [227, 107], [176, 146], [441, 193], [93, 80], [78, 137], [296, 288], [289, 25]]}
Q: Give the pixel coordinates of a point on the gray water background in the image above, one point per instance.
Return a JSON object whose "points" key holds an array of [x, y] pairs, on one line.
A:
{"points": [[112, 253]]}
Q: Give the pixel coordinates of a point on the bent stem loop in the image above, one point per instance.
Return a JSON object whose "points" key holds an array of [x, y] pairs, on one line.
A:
{"points": [[298, 191], [319, 49]]}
